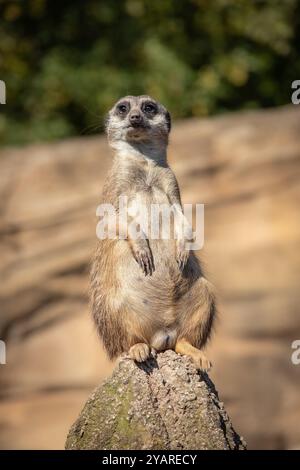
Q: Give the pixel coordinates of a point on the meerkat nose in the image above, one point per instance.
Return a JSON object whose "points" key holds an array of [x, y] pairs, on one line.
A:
{"points": [[135, 118]]}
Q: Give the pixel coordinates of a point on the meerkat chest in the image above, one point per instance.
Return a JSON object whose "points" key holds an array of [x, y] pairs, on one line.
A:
{"points": [[153, 184], [147, 194]]}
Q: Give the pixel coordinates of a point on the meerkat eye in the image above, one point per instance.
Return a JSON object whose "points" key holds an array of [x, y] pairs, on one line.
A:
{"points": [[150, 108], [122, 108]]}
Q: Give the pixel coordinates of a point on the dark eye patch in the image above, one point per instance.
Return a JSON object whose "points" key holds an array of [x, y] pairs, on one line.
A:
{"points": [[123, 108], [149, 108]]}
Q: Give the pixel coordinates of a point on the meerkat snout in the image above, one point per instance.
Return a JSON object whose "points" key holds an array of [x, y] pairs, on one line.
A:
{"points": [[138, 119]]}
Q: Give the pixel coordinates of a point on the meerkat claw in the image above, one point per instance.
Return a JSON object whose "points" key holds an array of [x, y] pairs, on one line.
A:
{"points": [[182, 254], [145, 261], [153, 353], [182, 260]]}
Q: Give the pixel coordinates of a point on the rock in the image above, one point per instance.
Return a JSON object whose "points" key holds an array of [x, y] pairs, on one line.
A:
{"points": [[162, 404]]}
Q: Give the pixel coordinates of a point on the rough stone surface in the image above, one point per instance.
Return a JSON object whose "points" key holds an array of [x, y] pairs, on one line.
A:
{"points": [[162, 404]]}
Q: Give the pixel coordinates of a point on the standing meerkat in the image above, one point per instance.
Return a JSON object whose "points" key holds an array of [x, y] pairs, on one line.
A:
{"points": [[147, 294]]}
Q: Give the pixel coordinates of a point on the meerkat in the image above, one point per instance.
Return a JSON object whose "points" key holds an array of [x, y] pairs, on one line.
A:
{"points": [[147, 295]]}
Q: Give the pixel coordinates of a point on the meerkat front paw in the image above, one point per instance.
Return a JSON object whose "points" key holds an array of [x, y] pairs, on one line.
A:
{"points": [[182, 254], [139, 352], [144, 258]]}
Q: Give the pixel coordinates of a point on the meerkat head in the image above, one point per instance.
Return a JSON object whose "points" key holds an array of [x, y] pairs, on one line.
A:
{"points": [[138, 121]]}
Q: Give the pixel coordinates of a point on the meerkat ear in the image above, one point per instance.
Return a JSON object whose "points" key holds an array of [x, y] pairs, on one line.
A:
{"points": [[168, 119]]}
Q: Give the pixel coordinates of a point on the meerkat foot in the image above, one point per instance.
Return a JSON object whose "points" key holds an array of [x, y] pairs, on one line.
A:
{"points": [[201, 361], [198, 356], [139, 352]]}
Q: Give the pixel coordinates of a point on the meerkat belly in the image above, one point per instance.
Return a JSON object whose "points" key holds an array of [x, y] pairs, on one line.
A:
{"points": [[149, 300], [157, 222], [152, 294]]}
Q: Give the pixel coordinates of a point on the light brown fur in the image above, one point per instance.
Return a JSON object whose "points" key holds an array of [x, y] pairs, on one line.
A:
{"points": [[173, 305]]}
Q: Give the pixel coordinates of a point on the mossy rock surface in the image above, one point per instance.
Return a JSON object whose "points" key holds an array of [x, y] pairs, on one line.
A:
{"points": [[163, 404]]}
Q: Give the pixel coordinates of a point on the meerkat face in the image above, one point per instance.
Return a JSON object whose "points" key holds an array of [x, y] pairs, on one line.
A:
{"points": [[138, 119]]}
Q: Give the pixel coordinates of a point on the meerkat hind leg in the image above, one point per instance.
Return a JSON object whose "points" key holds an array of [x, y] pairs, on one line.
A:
{"points": [[200, 360], [140, 352]]}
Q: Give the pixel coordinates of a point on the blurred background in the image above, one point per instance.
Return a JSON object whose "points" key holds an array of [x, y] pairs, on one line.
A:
{"points": [[224, 69]]}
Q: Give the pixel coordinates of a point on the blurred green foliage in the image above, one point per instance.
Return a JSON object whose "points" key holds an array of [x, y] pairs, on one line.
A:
{"points": [[66, 62]]}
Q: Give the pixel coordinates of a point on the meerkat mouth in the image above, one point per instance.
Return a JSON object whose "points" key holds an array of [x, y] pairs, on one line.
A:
{"points": [[137, 126], [136, 132]]}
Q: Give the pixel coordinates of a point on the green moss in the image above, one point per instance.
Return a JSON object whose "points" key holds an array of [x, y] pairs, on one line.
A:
{"points": [[125, 430]]}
